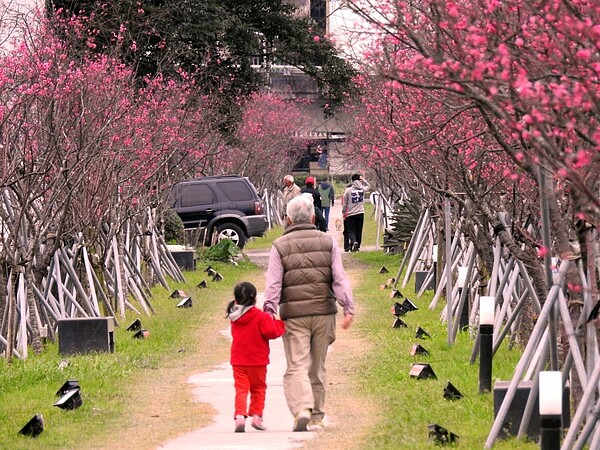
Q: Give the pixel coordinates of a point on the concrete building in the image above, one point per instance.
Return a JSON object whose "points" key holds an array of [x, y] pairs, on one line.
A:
{"points": [[325, 136]]}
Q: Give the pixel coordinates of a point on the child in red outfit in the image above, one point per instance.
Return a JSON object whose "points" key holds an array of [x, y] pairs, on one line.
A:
{"points": [[251, 330]]}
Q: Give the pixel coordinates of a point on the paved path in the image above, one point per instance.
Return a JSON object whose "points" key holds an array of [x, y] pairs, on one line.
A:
{"points": [[216, 388]]}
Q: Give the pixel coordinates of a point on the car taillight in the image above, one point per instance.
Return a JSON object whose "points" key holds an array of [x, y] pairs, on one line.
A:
{"points": [[258, 208]]}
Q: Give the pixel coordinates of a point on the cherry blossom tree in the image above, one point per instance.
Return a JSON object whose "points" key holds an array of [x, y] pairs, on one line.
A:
{"points": [[267, 142], [509, 85], [527, 70], [440, 147], [83, 148], [86, 148]]}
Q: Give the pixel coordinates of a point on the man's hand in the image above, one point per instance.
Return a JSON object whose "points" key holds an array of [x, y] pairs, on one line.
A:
{"points": [[347, 321]]}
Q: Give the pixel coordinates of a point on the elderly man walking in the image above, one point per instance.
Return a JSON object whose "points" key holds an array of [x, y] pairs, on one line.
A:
{"points": [[290, 190], [305, 277]]}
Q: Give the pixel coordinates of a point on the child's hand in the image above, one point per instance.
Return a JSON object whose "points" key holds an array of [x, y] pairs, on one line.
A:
{"points": [[276, 316]]}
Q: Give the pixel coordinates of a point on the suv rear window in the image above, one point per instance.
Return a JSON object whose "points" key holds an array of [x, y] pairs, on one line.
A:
{"points": [[197, 194], [236, 191]]}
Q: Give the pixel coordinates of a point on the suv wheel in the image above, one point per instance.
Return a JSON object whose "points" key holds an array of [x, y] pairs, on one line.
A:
{"points": [[233, 232]]}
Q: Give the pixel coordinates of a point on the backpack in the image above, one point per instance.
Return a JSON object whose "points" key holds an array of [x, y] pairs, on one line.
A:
{"points": [[325, 196]]}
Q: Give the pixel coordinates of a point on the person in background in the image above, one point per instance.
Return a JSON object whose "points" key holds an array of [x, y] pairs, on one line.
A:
{"points": [[304, 280], [327, 199], [347, 243], [290, 190], [251, 330], [353, 211], [309, 188]]}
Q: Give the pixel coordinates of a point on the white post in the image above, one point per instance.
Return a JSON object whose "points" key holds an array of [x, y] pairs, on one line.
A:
{"points": [[550, 391]]}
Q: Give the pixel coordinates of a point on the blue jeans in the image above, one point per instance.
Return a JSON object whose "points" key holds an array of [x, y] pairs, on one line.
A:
{"points": [[326, 214]]}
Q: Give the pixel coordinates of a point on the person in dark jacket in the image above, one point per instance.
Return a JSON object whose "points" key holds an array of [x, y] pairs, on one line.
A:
{"points": [[251, 330], [309, 188], [305, 282]]}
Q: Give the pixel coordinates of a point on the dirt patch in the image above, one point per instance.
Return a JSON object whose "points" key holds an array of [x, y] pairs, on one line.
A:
{"points": [[163, 406], [350, 413]]}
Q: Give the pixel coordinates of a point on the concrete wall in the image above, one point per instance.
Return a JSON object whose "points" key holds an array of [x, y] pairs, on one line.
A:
{"points": [[339, 163]]}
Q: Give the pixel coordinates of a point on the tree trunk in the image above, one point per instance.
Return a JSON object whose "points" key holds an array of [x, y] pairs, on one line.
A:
{"points": [[557, 220]]}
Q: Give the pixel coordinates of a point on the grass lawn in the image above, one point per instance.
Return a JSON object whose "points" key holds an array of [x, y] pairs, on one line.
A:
{"points": [[138, 397], [264, 242], [408, 405], [140, 390]]}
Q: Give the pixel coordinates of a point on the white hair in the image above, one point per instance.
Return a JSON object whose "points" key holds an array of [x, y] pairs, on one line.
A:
{"points": [[289, 178], [301, 209]]}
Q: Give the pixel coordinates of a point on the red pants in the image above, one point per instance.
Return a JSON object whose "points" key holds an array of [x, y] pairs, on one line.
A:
{"points": [[253, 380]]}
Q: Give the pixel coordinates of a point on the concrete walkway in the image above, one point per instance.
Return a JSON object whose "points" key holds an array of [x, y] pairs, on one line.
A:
{"points": [[216, 388]]}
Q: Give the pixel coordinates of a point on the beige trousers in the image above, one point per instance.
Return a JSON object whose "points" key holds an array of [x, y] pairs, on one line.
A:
{"points": [[306, 341]]}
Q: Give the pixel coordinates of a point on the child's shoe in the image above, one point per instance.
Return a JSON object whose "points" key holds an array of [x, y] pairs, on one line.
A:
{"points": [[257, 423], [240, 424]]}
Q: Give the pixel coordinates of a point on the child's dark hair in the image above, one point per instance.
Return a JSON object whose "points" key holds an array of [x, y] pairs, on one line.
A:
{"points": [[245, 295]]}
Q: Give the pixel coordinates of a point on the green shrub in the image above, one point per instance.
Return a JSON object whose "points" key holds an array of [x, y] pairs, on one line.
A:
{"points": [[173, 227], [224, 250], [404, 221]]}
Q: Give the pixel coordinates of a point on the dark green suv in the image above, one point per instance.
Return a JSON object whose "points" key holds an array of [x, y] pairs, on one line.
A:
{"points": [[226, 205]]}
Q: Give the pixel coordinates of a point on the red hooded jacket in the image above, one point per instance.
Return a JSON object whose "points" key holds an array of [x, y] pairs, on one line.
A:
{"points": [[251, 334]]}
